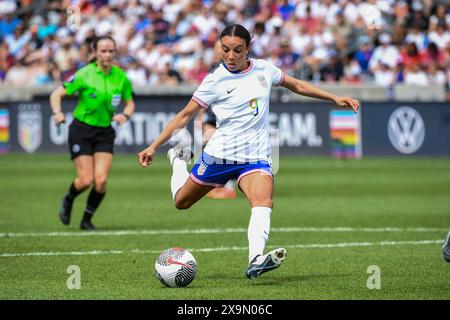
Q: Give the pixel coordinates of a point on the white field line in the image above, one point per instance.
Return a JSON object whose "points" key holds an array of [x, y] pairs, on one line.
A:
{"points": [[294, 246], [209, 231]]}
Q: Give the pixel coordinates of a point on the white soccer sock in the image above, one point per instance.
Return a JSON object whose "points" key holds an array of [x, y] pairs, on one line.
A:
{"points": [[229, 184], [258, 231], [179, 176]]}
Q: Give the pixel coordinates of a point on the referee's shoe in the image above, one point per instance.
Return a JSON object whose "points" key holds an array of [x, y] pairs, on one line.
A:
{"points": [[446, 248], [65, 210]]}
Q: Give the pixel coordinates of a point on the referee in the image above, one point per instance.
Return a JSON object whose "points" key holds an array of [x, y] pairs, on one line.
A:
{"points": [[101, 87]]}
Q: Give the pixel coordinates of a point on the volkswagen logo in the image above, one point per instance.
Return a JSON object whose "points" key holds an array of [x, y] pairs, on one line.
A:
{"points": [[406, 130]]}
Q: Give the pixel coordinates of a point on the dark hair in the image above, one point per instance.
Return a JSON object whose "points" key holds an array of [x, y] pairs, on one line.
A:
{"points": [[98, 39], [94, 44], [236, 30]]}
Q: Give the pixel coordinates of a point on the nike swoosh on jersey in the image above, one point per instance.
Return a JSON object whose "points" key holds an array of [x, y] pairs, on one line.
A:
{"points": [[230, 90]]}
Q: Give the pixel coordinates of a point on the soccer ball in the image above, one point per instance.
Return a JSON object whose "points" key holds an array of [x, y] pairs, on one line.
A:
{"points": [[175, 267]]}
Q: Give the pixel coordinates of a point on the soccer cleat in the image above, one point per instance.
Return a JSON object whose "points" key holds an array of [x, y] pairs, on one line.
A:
{"points": [[87, 225], [65, 211], [446, 248], [181, 153], [271, 261]]}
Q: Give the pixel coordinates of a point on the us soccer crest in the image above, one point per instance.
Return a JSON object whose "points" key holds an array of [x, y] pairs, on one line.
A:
{"points": [[202, 168], [262, 80], [29, 127]]}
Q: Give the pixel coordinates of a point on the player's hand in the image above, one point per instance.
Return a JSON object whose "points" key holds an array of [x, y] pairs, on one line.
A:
{"points": [[59, 118], [146, 156], [346, 102]]}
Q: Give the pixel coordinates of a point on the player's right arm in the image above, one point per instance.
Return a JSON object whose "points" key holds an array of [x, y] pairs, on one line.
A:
{"points": [[55, 104], [180, 120]]}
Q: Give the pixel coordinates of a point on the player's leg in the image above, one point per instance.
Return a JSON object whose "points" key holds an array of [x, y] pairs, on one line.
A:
{"points": [[102, 166], [190, 193], [258, 188], [225, 192], [84, 165]]}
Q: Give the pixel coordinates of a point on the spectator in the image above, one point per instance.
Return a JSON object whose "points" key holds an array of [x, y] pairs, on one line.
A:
{"points": [[65, 55], [410, 55], [441, 17], [196, 75], [384, 75], [415, 76], [169, 76], [17, 40], [309, 20], [287, 59], [136, 73], [353, 72], [334, 70], [432, 55], [182, 33], [364, 53], [440, 36], [435, 75], [17, 75], [8, 24], [38, 72], [260, 40], [148, 56], [285, 9], [418, 37], [160, 26], [386, 54]]}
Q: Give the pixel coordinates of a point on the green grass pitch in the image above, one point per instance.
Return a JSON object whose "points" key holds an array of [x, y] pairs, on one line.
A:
{"points": [[335, 218]]}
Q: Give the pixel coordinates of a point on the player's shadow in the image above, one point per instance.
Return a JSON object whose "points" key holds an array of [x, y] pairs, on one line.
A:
{"points": [[276, 280]]}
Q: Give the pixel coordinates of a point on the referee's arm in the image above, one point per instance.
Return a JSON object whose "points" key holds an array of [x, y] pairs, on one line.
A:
{"points": [[127, 112], [55, 104]]}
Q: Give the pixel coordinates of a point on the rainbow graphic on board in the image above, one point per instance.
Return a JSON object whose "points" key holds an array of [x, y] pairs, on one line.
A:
{"points": [[345, 134], [4, 131]]}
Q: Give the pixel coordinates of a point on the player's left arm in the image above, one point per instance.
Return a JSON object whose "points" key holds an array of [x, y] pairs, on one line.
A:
{"points": [[306, 89]]}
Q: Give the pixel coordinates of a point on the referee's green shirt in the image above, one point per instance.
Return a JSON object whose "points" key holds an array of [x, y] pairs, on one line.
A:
{"points": [[100, 94]]}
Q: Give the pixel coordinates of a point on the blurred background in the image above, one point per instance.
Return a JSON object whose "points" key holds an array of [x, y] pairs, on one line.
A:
{"points": [[168, 42]]}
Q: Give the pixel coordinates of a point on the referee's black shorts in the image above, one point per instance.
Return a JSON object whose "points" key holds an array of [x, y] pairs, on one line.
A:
{"points": [[87, 140]]}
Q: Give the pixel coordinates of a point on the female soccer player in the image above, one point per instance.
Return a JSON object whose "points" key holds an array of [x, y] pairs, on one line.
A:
{"points": [[238, 92], [101, 87]]}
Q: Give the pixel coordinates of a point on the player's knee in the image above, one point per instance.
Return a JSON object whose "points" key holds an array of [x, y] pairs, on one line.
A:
{"points": [[182, 204]]}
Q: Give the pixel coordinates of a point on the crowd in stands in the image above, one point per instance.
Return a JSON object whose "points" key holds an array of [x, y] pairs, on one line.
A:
{"points": [[169, 42]]}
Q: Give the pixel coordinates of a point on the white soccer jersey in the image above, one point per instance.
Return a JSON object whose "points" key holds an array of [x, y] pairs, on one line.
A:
{"points": [[240, 102]]}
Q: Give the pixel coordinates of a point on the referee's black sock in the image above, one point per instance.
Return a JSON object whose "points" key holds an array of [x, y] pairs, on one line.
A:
{"points": [[72, 193], [93, 203]]}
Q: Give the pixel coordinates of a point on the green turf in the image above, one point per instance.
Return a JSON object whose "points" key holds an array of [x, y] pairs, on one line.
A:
{"points": [[309, 192]]}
